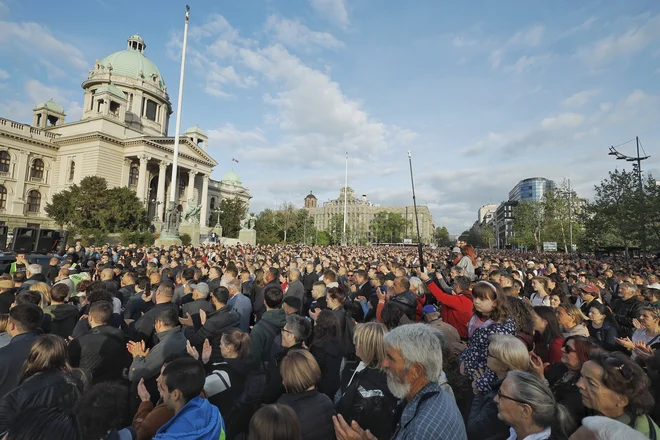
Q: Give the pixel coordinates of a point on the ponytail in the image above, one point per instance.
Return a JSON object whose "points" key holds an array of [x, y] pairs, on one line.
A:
{"points": [[564, 424]]}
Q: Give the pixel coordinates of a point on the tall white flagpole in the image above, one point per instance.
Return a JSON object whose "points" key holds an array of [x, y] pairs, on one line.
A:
{"points": [[343, 234], [175, 156]]}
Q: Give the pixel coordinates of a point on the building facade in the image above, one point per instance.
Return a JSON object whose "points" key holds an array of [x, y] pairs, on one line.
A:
{"points": [[360, 213], [486, 212], [122, 136], [503, 224], [531, 189]]}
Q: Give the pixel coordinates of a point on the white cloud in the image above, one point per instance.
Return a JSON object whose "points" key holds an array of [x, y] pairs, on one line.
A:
{"points": [[580, 99], [461, 41], [33, 38], [584, 26], [38, 92], [563, 120], [526, 38], [629, 42], [528, 62], [4, 74], [228, 136], [217, 77], [333, 10], [294, 34]]}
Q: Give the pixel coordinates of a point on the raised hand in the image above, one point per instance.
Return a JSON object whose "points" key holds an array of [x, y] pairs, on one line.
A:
{"points": [[192, 351], [202, 316], [187, 320], [206, 351], [626, 342], [536, 365], [344, 431], [142, 391]]}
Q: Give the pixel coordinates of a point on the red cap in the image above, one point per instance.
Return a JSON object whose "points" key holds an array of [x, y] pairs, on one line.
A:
{"points": [[590, 288]]}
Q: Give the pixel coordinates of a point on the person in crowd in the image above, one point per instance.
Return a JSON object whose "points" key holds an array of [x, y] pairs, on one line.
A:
{"points": [[43, 290], [616, 387], [300, 374], [319, 298], [180, 386], [200, 294], [528, 406], [275, 422], [548, 338], [270, 325], [457, 307], [626, 308], [7, 293], [23, 327], [101, 353], [433, 318], [147, 362], [646, 335], [541, 295], [43, 422], [588, 294], [145, 326], [327, 350], [33, 276], [63, 316], [523, 315], [571, 320], [46, 379], [103, 412], [505, 353], [557, 299], [603, 428], [468, 261], [5, 338], [602, 327], [240, 303], [136, 306], [295, 287], [271, 282], [490, 317], [403, 297]]}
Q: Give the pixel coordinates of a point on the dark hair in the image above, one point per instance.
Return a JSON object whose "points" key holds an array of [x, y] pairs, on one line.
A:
{"points": [[47, 353], [19, 277], [83, 285], [240, 341], [462, 282], [98, 295], [166, 289], [326, 328], [187, 274], [174, 356], [274, 297], [28, 297], [274, 273], [221, 294], [275, 422], [101, 408], [391, 314], [583, 347], [293, 301], [44, 422], [521, 312], [101, 311], [143, 283], [492, 291], [625, 377], [186, 375], [96, 286], [403, 282], [131, 275], [337, 294], [231, 270], [27, 317], [59, 292], [169, 317], [552, 330]]}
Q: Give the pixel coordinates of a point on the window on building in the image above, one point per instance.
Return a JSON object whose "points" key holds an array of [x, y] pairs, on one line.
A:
{"points": [[212, 203], [34, 201], [37, 169], [5, 161], [33, 225], [72, 170], [151, 110], [182, 186], [99, 105], [133, 175], [91, 100], [3, 198], [114, 107]]}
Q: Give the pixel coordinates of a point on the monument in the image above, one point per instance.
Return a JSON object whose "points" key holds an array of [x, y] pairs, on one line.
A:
{"points": [[247, 234], [190, 221]]}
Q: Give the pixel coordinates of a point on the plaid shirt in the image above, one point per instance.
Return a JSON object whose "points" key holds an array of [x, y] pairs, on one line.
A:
{"points": [[432, 414]]}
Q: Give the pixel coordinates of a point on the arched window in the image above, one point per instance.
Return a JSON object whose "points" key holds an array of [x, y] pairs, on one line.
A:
{"points": [[3, 198], [34, 201], [182, 186], [212, 203], [133, 175], [72, 170], [5, 160], [37, 170]]}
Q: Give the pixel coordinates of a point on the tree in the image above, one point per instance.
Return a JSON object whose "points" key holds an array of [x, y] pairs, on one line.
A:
{"points": [[528, 223], [441, 236], [285, 225], [232, 211], [487, 237], [266, 228], [286, 217], [389, 227], [335, 229]]}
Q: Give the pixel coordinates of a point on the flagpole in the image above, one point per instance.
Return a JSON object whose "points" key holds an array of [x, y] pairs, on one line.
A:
{"points": [[171, 219], [343, 234]]}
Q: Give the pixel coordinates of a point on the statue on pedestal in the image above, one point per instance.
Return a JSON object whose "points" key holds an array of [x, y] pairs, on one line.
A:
{"points": [[249, 222], [191, 213]]}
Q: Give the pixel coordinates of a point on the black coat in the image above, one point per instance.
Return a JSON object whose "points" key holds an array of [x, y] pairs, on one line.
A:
{"points": [[64, 318], [605, 336], [144, 327], [50, 388], [314, 411], [408, 301], [12, 357], [101, 354], [624, 312], [226, 382], [274, 387], [6, 299], [308, 281], [217, 323], [483, 423], [258, 306], [328, 355], [566, 391]]}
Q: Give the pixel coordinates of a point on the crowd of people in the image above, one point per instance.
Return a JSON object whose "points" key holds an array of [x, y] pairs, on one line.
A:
{"points": [[313, 343]]}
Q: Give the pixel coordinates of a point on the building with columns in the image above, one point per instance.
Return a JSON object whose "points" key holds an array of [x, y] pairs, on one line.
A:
{"points": [[122, 136], [360, 213]]}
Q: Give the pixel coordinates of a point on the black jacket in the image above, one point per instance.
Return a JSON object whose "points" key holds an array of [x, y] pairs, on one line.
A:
{"points": [[566, 391], [408, 301], [217, 323], [144, 327], [6, 299], [135, 307], [101, 354], [483, 423], [64, 318], [314, 411], [12, 357], [258, 306], [308, 280], [624, 312], [82, 327], [328, 355], [605, 336], [368, 401], [50, 388], [126, 292], [226, 382], [274, 387]]}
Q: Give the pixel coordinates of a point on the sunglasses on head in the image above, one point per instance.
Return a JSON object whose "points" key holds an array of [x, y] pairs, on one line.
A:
{"points": [[619, 365], [568, 349]]}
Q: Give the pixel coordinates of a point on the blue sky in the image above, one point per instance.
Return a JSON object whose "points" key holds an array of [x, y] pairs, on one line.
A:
{"points": [[483, 93]]}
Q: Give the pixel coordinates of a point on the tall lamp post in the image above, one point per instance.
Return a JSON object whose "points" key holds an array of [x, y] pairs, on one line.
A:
{"points": [[637, 168]]}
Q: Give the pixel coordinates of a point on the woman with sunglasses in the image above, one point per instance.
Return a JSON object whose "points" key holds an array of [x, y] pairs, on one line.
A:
{"points": [[528, 406], [562, 376], [505, 353], [616, 387]]}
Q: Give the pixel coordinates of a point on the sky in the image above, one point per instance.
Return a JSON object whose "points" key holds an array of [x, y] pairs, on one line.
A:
{"points": [[482, 93]]}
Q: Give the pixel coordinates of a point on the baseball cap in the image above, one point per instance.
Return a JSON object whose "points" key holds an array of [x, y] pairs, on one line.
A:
{"points": [[456, 250], [429, 309], [590, 288], [202, 288]]}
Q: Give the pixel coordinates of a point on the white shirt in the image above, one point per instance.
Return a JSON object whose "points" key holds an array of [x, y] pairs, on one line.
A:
{"points": [[542, 435]]}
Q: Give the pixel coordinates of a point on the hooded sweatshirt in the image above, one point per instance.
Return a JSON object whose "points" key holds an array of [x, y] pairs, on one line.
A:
{"points": [[64, 318], [197, 420]]}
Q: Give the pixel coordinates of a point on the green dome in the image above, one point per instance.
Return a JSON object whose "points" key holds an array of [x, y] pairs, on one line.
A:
{"points": [[196, 129], [112, 89], [130, 63], [50, 105], [231, 178]]}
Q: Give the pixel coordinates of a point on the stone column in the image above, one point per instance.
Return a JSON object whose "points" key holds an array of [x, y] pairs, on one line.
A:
{"points": [[160, 195], [204, 216], [21, 176], [191, 184], [142, 177], [126, 172]]}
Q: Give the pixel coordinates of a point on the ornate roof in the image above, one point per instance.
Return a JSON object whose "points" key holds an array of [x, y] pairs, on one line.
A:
{"points": [[132, 63], [112, 89], [310, 196], [231, 178], [196, 129], [50, 105]]}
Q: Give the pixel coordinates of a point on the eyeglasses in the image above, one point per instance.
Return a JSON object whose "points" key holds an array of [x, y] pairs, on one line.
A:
{"points": [[287, 331], [568, 349], [504, 396]]}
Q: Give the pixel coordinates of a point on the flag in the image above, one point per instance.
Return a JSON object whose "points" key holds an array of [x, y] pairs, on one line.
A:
{"points": [[234, 160]]}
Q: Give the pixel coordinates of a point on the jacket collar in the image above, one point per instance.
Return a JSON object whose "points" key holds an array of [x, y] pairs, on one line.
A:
{"points": [[24, 336], [165, 333]]}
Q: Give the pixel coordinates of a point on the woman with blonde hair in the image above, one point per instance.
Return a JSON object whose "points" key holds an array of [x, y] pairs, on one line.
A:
{"points": [[571, 320], [505, 353], [364, 396], [45, 293], [300, 374]]}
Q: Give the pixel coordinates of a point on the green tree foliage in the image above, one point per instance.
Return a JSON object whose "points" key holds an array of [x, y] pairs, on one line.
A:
{"points": [[336, 228], [232, 211], [389, 227], [92, 207], [528, 224], [441, 236], [286, 225]]}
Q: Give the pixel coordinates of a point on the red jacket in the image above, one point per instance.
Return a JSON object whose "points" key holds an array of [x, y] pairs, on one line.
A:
{"points": [[456, 309]]}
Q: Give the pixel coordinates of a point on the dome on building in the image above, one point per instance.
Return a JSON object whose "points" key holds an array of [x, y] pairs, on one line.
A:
{"points": [[196, 129], [231, 178], [310, 196], [50, 105], [132, 63], [112, 89]]}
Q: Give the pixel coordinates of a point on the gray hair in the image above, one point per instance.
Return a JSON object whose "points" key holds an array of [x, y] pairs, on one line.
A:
{"points": [[546, 412], [604, 428], [231, 285], [418, 345], [294, 271], [34, 269], [419, 286], [628, 286], [300, 327], [459, 271]]}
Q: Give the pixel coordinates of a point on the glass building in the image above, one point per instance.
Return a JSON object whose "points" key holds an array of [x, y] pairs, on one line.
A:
{"points": [[531, 189]]}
